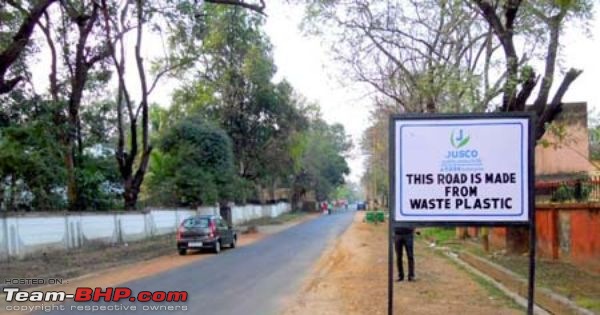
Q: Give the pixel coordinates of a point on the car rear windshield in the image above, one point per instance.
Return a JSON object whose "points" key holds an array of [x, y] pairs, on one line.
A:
{"points": [[195, 222]]}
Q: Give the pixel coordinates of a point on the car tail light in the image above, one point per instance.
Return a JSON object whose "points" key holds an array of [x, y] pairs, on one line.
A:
{"points": [[213, 229], [179, 233]]}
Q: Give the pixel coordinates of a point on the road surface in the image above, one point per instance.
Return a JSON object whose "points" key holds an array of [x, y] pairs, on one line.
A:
{"points": [[255, 279]]}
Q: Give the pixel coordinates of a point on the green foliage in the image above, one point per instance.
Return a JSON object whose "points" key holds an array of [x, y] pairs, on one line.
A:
{"points": [[194, 165], [238, 190], [159, 182], [98, 183], [235, 90], [582, 191], [348, 191], [30, 156], [99, 123], [323, 162], [563, 193], [195, 186], [438, 235], [232, 105]]}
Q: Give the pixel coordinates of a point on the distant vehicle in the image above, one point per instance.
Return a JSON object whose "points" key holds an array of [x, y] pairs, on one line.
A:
{"points": [[361, 206], [205, 231]]}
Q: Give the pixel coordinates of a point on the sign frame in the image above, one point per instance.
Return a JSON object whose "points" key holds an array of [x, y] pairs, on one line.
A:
{"points": [[530, 117], [488, 116]]}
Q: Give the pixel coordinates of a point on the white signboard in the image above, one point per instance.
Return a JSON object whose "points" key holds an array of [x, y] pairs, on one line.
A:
{"points": [[462, 170]]}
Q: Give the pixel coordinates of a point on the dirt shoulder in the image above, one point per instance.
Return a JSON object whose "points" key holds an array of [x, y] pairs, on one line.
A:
{"points": [[113, 265], [577, 285], [351, 278]]}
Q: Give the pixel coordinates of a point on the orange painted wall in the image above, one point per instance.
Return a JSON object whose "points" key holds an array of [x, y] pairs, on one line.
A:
{"points": [[497, 238], [585, 237], [582, 239], [473, 231], [547, 234]]}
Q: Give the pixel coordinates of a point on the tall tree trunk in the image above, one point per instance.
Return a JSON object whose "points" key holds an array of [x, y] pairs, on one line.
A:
{"points": [[71, 178], [10, 206], [133, 184], [19, 41], [79, 76], [131, 194]]}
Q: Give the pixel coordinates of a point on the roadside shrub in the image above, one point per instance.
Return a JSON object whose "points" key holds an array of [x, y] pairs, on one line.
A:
{"points": [[563, 193]]}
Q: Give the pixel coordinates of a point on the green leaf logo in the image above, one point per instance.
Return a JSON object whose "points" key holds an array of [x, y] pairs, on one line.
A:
{"points": [[459, 139]]}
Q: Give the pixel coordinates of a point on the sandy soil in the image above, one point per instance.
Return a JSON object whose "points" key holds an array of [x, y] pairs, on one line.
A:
{"points": [[351, 278]]}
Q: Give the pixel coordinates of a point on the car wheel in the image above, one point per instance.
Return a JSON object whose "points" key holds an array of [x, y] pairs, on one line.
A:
{"points": [[182, 251], [233, 242], [217, 248]]}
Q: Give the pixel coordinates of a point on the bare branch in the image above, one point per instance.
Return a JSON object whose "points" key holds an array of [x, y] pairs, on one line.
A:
{"points": [[551, 55], [53, 76], [163, 72], [555, 106]]}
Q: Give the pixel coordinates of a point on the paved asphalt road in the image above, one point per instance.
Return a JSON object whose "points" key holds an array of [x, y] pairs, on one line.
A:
{"points": [[254, 279]]}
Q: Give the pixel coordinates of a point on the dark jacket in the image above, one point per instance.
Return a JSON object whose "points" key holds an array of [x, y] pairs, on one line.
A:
{"points": [[403, 231]]}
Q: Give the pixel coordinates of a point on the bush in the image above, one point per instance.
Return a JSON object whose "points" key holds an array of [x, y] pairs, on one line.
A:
{"points": [[98, 185], [239, 190], [195, 186], [194, 165], [582, 191], [563, 193]]}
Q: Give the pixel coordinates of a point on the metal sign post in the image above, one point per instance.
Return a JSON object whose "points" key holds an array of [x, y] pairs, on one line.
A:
{"points": [[462, 170]]}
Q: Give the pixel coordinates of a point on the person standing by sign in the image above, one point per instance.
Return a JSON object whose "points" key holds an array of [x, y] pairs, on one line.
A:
{"points": [[404, 237]]}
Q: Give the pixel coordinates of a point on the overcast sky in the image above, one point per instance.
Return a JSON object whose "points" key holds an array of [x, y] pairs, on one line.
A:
{"points": [[306, 63]]}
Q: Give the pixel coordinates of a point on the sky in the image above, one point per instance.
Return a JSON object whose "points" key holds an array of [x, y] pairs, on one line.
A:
{"points": [[307, 64]]}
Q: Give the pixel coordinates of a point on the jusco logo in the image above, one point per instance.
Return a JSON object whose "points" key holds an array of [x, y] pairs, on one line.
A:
{"points": [[458, 139]]}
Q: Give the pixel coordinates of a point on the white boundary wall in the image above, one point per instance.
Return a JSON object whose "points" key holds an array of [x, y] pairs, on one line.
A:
{"points": [[26, 234]]}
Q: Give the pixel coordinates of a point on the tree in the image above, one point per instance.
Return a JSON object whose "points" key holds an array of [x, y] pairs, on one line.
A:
{"points": [[31, 175], [194, 165], [374, 146], [77, 64], [234, 88], [521, 80], [426, 53], [179, 22], [24, 19], [436, 64], [349, 191], [322, 164], [83, 39], [465, 45], [15, 16]]}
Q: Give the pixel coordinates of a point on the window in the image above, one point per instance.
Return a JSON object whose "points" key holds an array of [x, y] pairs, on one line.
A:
{"points": [[195, 222]]}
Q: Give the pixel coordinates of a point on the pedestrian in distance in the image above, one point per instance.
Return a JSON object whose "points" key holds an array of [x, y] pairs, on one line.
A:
{"points": [[404, 238]]}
